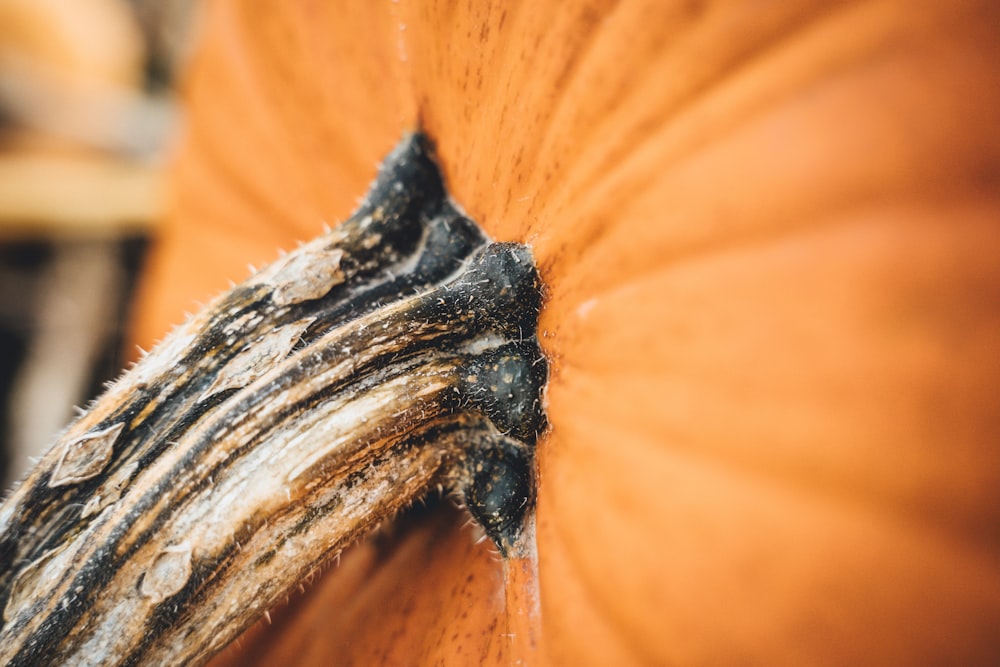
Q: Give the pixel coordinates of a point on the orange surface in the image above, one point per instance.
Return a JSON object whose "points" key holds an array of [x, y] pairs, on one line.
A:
{"points": [[769, 234]]}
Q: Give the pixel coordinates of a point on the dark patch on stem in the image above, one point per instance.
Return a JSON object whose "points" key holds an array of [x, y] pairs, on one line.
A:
{"points": [[293, 415]]}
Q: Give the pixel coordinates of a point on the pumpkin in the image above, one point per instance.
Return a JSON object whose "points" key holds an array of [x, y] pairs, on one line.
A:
{"points": [[769, 235]]}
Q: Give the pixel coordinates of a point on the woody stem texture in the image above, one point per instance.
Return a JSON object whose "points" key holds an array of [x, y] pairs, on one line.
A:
{"points": [[389, 358]]}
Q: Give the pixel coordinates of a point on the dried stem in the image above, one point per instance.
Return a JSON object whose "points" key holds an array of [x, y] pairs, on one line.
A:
{"points": [[295, 413]]}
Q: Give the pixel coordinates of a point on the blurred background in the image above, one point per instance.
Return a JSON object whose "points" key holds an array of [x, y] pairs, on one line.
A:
{"points": [[86, 118]]}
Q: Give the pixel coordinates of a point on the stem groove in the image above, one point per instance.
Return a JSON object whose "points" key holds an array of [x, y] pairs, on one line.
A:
{"points": [[290, 417]]}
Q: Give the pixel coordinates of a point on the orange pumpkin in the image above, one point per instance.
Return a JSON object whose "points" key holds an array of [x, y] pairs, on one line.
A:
{"points": [[769, 235]]}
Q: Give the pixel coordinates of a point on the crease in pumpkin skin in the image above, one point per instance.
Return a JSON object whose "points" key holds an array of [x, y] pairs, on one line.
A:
{"points": [[587, 33], [625, 641], [920, 494], [843, 522], [632, 180], [442, 110], [492, 112], [792, 480], [228, 39], [582, 174], [835, 217], [240, 41], [633, 177], [611, 192]]}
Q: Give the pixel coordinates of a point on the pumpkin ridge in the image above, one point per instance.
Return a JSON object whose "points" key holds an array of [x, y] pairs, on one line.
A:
{"points": [[912, 360], [578, 121], [928, 559], [562, 88], [305, 141], [853, 191], [843, 214], [640, 178], [642, 133], [793, 479], [429, 113], [628, 639], [503, 69], [223, 170], [240, 63]]}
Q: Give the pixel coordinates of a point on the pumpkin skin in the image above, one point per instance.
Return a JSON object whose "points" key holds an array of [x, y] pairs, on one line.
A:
{"points": [[769, 236]]}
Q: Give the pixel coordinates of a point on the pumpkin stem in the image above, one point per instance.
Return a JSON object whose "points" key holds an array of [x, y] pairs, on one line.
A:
{"points": [[389, 357]]}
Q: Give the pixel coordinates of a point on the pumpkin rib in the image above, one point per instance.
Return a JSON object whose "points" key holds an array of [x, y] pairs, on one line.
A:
{"points": [[930, 529], [446, 23], [632, 649], [214, 165], [764, 555], [471, 96], [590, 76], [920, 359], [947, 175], [662, 118], [742, 99], [309, 141], [585, 40], [241, 93], [603, 646], [844, 214], [518, 100], [735, 71], [478, 97]]}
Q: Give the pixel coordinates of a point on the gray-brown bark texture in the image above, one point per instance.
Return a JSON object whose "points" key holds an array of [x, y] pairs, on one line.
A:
{"points": [[393, 356]]}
